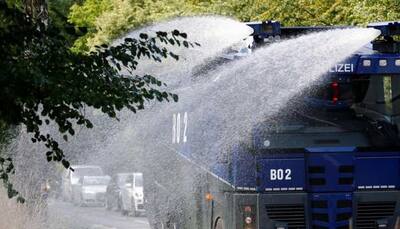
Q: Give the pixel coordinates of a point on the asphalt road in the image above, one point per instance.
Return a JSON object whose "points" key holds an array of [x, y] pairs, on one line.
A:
{"points": [[73, 217]]}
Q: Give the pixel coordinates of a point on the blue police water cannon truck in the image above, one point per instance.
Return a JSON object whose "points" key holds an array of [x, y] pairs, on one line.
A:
{"points": [[335, 165]]}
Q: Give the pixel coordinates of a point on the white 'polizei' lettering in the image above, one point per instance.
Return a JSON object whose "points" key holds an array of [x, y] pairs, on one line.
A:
{"points": [[342, 68]]}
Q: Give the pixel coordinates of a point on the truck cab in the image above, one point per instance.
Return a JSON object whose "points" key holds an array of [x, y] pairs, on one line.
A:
{"points": [[132, 196], [331, 159]]}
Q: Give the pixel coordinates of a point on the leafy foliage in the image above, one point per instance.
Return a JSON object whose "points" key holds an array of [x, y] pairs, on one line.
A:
{"points": [[107, 19], [6, 165], [42, 82], [329, 12]]}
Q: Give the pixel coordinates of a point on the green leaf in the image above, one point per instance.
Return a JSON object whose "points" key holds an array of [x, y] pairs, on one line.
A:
{"points": [[143, 36], [184, 35], [89, 125], [20, 200], [175, 32], [65, 163], [175, 97]]}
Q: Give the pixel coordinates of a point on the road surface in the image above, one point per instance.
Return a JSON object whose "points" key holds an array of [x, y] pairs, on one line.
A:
{"points": [[73, 217]]}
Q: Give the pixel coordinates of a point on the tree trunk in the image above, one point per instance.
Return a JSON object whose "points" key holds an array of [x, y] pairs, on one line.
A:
{"points": [[37, 10]]}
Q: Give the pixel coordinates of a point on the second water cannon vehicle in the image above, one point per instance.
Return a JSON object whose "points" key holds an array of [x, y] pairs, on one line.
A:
{"points": [[332, 161], [132, 195]]}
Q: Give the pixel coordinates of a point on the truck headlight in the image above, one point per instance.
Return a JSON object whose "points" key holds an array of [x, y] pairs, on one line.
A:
{"points": [[248, 220], [383, 223], [249, 217], [281, 226]]}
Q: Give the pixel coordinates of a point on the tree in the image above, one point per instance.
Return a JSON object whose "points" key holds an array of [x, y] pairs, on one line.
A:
{"points": [[42, 82]]}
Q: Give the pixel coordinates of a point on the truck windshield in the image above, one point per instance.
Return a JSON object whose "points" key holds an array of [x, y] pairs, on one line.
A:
{"points": [[301, 125], [302, 128]]}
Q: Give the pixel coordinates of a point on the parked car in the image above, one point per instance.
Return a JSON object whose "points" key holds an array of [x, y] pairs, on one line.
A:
{"points": [[71, 178], [132, 198], [113, 194], [91, 190]]}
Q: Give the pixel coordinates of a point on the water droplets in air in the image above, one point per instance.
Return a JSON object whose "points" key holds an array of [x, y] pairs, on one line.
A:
{"points": [[223, 105], [219, 102]]}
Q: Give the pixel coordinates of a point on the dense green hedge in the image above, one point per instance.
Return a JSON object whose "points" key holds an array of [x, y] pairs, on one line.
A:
{"points": [[107, 19]]}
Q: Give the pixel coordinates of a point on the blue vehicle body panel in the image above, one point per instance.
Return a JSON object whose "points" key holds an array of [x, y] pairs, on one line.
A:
{"points": [[376, 68], [327, 176], [377, 171], [243, 170]]}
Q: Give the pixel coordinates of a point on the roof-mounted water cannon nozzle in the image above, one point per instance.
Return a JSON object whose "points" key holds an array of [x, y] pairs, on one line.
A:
{"points": [[386, 43], [264, 30], [387, 28]]}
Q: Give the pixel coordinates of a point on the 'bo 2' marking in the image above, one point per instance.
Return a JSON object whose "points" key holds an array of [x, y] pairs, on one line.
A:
{"points": [[177, 126]]}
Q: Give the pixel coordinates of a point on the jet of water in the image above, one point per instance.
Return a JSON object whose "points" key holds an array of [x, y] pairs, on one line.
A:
{"points": [[223, 107]]}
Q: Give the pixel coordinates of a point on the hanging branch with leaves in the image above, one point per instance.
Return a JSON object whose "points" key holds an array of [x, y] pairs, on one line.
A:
{"points": [[43, 82]]}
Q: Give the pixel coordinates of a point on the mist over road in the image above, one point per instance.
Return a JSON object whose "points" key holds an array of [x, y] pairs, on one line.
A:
{"points": [[73, 217]]}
